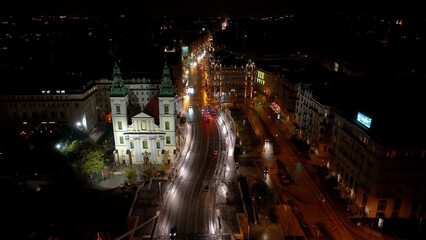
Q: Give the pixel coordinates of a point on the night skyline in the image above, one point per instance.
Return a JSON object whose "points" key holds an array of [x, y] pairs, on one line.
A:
{"points": [[238, 8], [213, 120]]}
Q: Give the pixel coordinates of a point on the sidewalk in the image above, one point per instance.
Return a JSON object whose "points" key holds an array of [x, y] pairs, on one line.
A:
{"points": [[116, 176]]}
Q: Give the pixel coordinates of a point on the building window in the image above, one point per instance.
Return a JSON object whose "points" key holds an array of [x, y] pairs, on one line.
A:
{"points": [[144, 144], [120, 125], [121, 140], [381, 207], [167, 126], [166, 109], [158, 145], [117, 109], [168, 140], [397, 204], [132, 145], [415, 207]]}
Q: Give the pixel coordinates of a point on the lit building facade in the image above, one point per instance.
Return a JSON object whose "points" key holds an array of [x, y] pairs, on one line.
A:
{"points": [[266, 82], [50, 109], [314, 122], [232, 79], [73, 107], [149, 136], [383, 180]]}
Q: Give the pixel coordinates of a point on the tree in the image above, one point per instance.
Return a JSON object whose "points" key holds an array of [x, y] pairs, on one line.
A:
{"points": [[85, 156], [91, 161], [77, 147], [131, 175]]}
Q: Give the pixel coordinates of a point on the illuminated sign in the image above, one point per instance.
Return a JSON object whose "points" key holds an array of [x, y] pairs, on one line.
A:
{"points": [[364, 120], [185, 50]]}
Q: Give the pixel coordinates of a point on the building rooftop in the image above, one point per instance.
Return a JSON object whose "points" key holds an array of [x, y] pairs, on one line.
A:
{"points": [[229, 59], [152, 109], [394, 104]]}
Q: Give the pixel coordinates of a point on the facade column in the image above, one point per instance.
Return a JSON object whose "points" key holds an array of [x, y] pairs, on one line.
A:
{"points": [[137, 143], [116, 159], [128, 151], [151, 149], [162, 149]]}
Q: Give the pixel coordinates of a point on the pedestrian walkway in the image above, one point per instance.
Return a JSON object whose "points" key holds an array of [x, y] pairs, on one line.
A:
{"points": [[115, 177]]}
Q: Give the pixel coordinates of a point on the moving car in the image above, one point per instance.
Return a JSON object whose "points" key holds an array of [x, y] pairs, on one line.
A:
{"points": [[173, 232], [265, 170]]}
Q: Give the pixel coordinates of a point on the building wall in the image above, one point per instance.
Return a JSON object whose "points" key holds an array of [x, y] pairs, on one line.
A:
{"points": [[171, 132], [228, 80], [315, 123], [287, 95], [369, 171], [266, 82], [55, 109], [120, 126], [141, 91]]}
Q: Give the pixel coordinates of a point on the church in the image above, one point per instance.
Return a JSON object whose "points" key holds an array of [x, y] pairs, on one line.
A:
{"points": [[150, 136]]}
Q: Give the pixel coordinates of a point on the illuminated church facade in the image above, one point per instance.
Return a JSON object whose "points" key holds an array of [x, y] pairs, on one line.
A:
{"points": [[150, 136]]}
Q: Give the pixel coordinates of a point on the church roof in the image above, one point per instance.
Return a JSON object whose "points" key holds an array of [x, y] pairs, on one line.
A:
{"points": [[153, 110]]}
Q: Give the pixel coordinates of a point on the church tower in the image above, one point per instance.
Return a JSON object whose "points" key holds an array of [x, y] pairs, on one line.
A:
{"points": [[119, 101], [168, 115]]}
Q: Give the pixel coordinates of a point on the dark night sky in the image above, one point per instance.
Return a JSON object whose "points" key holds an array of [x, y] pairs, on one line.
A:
{"points": [[209, 7]]}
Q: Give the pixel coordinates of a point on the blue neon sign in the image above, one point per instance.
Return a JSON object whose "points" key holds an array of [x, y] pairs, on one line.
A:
{"points": [[364, 120]]}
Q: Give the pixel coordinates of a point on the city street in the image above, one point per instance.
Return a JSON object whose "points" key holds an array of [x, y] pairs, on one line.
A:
{"points": [[206, 166], [317, 211], [189, 206]]}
